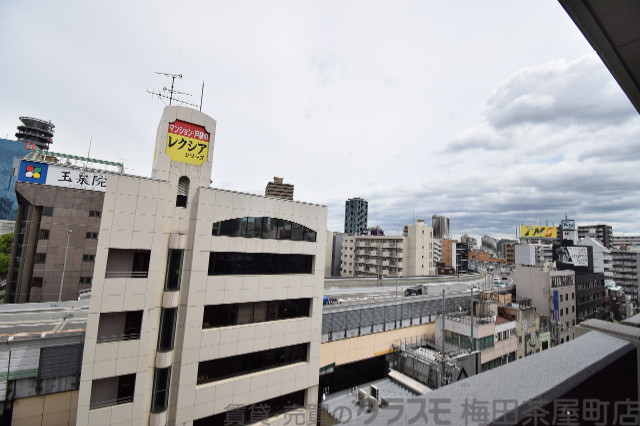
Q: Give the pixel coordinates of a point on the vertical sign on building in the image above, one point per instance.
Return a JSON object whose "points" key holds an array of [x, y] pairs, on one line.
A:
{"points": [[187, 143], [555, 305]]}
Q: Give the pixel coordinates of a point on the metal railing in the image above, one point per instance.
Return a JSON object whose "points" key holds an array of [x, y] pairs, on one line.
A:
{"points": [[118, 337], [126, 274], [110, 402]]}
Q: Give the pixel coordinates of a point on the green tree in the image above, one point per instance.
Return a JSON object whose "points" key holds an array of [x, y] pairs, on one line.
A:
{"points": [[6, 242]]}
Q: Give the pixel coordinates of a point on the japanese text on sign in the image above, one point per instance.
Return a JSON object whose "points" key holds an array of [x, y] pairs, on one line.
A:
{"points": [[187, 143]]}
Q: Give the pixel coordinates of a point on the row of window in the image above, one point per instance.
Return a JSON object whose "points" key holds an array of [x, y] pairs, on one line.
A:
{"points": [[249, 313], [48, 211], [37, 281], [44, 235], [265, 228], [42, 257], [236, 263], [465, 342], [233, 366]]}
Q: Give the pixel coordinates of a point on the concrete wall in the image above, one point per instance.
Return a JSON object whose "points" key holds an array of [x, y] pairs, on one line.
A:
{"points": [[358, 348], [52, 409]]}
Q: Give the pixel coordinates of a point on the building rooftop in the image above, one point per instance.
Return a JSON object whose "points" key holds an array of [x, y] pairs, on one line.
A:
{"points": [[26, 321]]}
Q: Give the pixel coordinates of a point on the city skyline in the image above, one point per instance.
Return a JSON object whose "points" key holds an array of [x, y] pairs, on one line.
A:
{"points": [[492, 116]]}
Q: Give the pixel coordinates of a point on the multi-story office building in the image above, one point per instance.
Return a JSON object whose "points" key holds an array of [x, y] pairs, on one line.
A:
{"points": [[440, 225], [389, 256], [603, 233], [626, 270], [506, 250], [205, 303], [57, 227], [462, 258], [356, 212], [10, 153], [553, 294], [437, 251], [279, 189]]}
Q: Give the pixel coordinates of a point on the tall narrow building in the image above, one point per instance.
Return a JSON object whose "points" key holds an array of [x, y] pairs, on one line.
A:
{"points": [[440, 225], [206, 303], [356, 211], [279, 189]]}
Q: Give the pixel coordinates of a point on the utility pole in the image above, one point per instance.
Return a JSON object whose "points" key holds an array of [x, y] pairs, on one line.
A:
{"points": [[472, 319]]}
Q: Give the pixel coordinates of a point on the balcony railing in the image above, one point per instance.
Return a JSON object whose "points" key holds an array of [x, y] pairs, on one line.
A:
{"points": [[118, 337], [126, 274], [110, 402]]}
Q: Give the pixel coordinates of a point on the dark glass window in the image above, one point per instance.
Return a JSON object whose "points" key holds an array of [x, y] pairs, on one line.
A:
{"points": [[126, 386], [85, 280], [234, 263], [183, 192], [133, 325], [47, 211], [44, 234], [263, 227], [89, 257], [161, 381], [174, 268], [95, 213], [41, 257], [224, 368], [247, 313], [92, 235], [167, 329], [141, 262], [36, 282]]}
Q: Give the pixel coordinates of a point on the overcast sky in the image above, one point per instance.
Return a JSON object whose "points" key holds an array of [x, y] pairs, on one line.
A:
{"points": [[493, 113]]}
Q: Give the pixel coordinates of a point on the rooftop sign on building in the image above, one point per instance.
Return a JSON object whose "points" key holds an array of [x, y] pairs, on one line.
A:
{"points": [[64, 176], [538, 232], [187, 143]]}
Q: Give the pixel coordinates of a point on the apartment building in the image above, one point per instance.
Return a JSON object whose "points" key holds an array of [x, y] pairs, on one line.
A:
{"points": [[553, 294], [389, 256], [279, 189], [625, 240], [206, 303], [603, 233], [626, 270]]}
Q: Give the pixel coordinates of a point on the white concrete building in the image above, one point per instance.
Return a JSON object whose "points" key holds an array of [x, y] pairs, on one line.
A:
{"points": [[203, 300], [389, 256], [602, 258]]}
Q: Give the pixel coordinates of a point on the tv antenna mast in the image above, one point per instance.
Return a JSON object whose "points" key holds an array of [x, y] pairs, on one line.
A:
{"points": [[172, 91]]}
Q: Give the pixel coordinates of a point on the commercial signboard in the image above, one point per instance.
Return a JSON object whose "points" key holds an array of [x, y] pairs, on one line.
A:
{"points": [[568, 225], [187, 143], [64, 176], [572, 255], [538, 232], [555, 305]]}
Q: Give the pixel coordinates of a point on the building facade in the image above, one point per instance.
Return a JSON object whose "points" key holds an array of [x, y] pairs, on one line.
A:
{"points": [[279, 189], [553, 294], [57, 228], [10, 153], [389, 256], [356, 211], [603, 233], [440, 225], [626, 270], [205, 302]]}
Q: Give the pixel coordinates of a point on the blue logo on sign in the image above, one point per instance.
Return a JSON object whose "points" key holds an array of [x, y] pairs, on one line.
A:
{"points": [[33, 172]]}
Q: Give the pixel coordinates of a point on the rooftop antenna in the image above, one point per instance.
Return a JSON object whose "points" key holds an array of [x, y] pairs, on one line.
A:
{"points": [[172, 91]]}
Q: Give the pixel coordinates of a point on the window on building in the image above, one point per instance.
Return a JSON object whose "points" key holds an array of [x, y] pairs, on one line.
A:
{"points": [[236, 263], [167, 329], [561, 297], [183, 192], [247, 313], [44, 234], [36, 282], [47, 211], [95, 213], [174, 268], [85, 280], [265, 228], [161, 380], [41, 257], [88, 257], [92, 235]]}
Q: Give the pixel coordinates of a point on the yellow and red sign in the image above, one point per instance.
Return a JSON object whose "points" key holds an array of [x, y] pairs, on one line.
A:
{"points": [[187, 143], [538, 231]]}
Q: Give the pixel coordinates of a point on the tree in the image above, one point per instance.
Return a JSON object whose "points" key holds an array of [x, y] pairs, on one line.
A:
{"points": [[6, 242]]}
